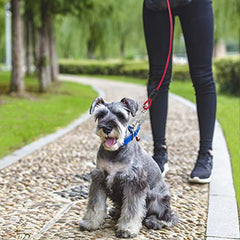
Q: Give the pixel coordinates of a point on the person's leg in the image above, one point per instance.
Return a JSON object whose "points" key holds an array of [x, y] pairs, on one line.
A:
{"points": [[197, 24], [157, 31]]}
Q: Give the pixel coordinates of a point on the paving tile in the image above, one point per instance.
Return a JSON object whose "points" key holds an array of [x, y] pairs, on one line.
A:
{"points": [[222, 217]]}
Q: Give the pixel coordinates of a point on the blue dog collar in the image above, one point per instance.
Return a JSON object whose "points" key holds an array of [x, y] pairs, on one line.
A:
{"points": [[132, 135]]}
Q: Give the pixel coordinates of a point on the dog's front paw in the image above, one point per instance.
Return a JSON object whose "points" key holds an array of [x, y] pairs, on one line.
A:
{"points": [[125, 234], [88, 225]]}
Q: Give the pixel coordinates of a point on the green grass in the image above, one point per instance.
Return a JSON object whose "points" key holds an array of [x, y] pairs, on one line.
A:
{"points": [[23, 120], [228, 114]]}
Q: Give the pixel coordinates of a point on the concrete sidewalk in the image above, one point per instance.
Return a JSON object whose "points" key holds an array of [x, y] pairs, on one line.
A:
{"points": [[44, 193]]}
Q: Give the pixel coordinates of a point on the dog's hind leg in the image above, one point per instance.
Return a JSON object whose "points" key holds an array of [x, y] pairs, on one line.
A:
{"points": [[159, 212], [152, 222], [115, 212], [134, 200], [96, 209]]}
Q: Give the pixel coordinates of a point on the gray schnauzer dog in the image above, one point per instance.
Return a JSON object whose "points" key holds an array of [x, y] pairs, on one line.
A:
{"points": [[126, 174]]}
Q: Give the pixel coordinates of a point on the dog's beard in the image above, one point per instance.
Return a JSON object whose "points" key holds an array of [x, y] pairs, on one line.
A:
{"points": [[112, 141]]}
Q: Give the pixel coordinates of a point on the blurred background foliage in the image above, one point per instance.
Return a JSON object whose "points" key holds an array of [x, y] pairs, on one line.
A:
{"points": [[113, 29]]}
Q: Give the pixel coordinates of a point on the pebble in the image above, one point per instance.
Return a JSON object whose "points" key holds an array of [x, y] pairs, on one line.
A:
{"points": [[20, 187]]}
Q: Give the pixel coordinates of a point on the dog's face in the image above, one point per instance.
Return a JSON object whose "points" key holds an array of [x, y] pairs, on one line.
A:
{"points": [[113, 119]]}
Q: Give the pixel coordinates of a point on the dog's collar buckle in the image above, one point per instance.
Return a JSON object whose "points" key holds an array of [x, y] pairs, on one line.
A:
{"points": [[132, 135]]}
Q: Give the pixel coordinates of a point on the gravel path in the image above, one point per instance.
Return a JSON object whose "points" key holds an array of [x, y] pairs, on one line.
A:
{"points": [[44, 195]]}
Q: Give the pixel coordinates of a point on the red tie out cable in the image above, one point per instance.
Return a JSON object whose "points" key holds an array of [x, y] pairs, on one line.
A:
{"points": [[148, 103]]}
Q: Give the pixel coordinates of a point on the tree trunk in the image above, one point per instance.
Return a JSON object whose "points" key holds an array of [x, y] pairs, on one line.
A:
{"points": [[44, 59], [17, 80], [122, 47], [91, 49], [34, 42], [91, 43], [53, 53], [27, 42], [219, 49]]}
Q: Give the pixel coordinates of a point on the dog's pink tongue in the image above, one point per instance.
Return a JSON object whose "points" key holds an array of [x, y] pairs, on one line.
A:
{"points": [[110, 142]]}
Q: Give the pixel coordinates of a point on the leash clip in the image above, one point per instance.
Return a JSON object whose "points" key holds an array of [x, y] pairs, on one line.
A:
{"points": [[147, 104]]}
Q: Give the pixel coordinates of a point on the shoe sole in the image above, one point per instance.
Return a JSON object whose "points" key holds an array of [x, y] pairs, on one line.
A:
{"points": [[166, 169], [199, 180]]}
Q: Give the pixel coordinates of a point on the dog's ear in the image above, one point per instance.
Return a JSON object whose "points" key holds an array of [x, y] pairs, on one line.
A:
{"points": [[131, 105], [95, 103]]}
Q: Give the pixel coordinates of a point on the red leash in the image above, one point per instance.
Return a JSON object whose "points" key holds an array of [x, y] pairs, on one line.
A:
{"points": [[148, 103]]}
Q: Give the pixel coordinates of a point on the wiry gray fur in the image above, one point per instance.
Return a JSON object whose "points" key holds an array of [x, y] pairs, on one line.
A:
{"points": [[126, 174]]}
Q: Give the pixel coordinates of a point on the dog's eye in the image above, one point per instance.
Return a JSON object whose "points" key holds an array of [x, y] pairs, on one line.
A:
{"points": [[120, 116], [101, 114]]}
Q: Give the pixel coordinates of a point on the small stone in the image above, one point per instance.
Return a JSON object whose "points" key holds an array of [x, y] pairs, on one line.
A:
{"points": [[14, 219], [62, 194], [76, 189], [20, 187], [180, 195], [74, 194], [61, 221]]}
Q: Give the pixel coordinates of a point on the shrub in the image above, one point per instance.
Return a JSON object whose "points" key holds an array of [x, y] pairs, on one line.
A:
{"points": [[137, 69], [227, 74], [89, 67]]}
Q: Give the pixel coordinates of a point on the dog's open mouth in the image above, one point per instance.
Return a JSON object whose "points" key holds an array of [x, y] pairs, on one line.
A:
{"points": [[109, 142]]}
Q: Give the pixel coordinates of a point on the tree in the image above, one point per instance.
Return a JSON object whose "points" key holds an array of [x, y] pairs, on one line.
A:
{"points": [[128, 25], [47, 63], [106, 29], [27, 38], [40, 14], [94, 15], [39, 41], [52, 48], [227, 27], [44, 54], [30, 10], [2, 30], [17, 81]]}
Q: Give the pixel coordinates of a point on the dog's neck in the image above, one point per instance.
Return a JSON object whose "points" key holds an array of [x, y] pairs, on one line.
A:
{"points": [[120, 155]]}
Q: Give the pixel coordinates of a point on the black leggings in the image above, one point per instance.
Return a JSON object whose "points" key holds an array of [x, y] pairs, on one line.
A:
{"points": [[197, 25]]}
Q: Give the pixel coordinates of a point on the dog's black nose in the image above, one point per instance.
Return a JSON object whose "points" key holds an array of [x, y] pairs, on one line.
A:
{"points": [[107, 130]]}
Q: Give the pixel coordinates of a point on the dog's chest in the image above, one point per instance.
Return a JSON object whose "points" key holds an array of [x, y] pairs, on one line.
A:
{"points": [[112, 171], [111, 167]]}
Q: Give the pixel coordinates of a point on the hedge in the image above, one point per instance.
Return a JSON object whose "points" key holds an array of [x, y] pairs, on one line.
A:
{"points": [[137, 69], [89, 67], [227, 74]]}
